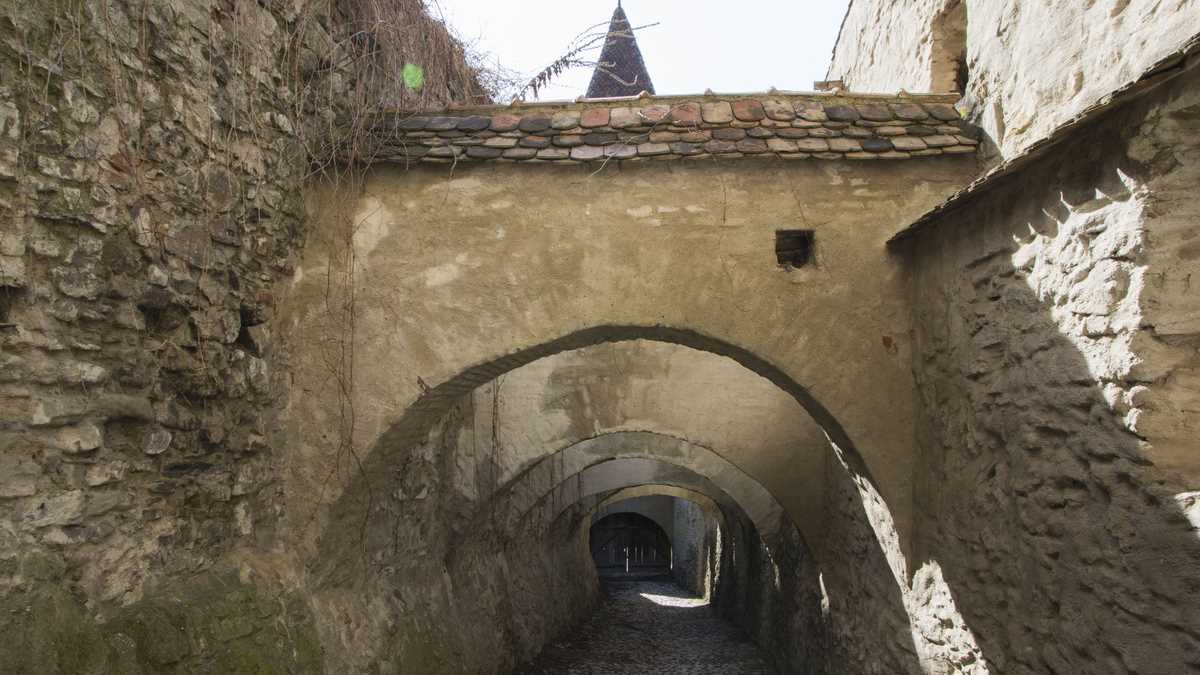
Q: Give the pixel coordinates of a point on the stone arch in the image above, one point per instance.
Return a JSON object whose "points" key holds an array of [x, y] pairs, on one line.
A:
{"points": [[699, 498], [415, 424], [563, 468], [634, 508]]}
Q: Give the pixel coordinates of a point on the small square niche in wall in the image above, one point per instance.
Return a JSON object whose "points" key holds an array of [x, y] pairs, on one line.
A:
{"points": [[793, 248]]}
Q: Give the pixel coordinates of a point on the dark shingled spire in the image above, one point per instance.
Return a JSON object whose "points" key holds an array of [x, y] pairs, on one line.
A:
{"points": [[626, 76]]}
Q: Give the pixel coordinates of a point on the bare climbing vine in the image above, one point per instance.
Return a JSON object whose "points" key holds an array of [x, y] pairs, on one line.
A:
{"points": [[576, 55]]}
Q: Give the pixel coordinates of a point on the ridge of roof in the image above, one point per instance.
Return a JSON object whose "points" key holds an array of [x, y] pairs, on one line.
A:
{"points": [[646, 98], [625, 129]]}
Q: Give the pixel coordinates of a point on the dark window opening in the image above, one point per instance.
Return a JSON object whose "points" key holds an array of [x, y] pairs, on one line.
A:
{"points": [[793, 248], [948, 59]]}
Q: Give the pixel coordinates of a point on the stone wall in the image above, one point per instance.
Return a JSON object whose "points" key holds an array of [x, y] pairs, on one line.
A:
{"points": [[152, 162], [458, 587], [1056, 360], [694, 533], [1026, 76], [775, 595]]}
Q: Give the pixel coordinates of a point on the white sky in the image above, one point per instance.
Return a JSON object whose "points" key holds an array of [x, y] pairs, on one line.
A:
{"points": [[698, 44]]}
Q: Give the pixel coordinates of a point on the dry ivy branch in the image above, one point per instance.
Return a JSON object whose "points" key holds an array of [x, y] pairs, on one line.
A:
{"points": [[589, 40], [389, 56]]}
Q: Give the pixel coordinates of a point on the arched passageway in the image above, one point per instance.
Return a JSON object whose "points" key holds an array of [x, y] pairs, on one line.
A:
{"points": [[475, 509]]}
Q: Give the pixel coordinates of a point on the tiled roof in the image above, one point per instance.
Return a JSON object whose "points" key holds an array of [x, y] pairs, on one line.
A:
{"points": [[789, 125]]}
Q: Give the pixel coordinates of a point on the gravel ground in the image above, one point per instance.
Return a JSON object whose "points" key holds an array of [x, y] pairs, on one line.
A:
{"points": [[651, 627]]}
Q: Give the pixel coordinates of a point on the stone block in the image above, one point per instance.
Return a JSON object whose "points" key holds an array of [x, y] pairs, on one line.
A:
{"points": [[484, 152], [12, 272], [156, 441], [718, 146], [686, 114], [811, 111], [80, 438], [18, 477], [655, 114], [505, 122], [909, 111], [685, 149], [566, 119], [442, 123], [586, 153], [844, 145], [474, 123], [908, 143], [716, 112], [876, 144], [500, 142], [728, 134], [653, 149], [748, 110], [620, 151], [62, 509], [942, 111], [533, 124], [812, 145], [779, 110], [940, 141], [623, 118], [781, 145], [535, 142], [875, 112], [600, 138], [752, 146], [594, 117], [837, 113], [792, 133]]}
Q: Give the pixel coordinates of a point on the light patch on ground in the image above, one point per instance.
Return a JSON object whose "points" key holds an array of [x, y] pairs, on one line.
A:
{"points": [[674, 601]]}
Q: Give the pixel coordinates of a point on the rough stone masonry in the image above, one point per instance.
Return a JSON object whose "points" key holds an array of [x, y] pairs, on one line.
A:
{"points": [[300, 375]]}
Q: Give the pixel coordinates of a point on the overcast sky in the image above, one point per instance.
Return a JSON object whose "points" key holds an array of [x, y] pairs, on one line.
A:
{"points": [[697, 44]]}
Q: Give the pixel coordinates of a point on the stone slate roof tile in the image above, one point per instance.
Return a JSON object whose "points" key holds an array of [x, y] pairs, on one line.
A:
{"points": [[820, 126]]}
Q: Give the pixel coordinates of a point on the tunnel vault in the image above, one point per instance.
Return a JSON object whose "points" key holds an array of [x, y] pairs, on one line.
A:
{"points": [[453, 285]]}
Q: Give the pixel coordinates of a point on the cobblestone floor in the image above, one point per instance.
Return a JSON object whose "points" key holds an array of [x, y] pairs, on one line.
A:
{"points": [[651, 627]]}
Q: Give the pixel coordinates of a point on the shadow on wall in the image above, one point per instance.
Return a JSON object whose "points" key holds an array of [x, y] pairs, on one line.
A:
{"points": [[1037, 358], [392, 551]]}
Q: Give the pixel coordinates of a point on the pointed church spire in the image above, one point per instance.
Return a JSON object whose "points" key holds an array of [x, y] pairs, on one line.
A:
{"points": [[621, 71]]}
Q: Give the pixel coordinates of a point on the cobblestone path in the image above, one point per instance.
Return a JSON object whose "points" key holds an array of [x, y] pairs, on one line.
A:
{"points": [[651, 627]]}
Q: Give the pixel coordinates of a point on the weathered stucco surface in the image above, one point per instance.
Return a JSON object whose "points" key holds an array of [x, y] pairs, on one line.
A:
{"points": [[686, 246], [1032, 65]]}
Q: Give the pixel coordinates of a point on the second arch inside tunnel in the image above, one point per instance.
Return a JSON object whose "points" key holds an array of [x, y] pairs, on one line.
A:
{"points": [[484, 525]]}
